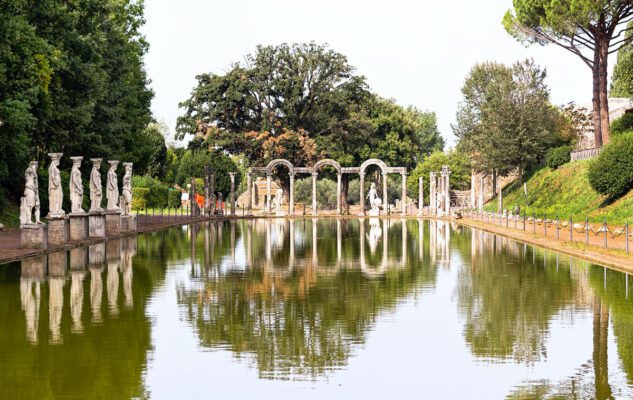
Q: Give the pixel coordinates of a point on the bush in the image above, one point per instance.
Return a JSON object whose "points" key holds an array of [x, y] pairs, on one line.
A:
{"points": [[622, 124], [158, 191], [558, 156], [139, 198], [173, 198], [611, 173]]}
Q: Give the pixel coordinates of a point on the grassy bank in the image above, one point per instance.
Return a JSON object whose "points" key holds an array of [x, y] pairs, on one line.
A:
{"points": [[565, 192]]}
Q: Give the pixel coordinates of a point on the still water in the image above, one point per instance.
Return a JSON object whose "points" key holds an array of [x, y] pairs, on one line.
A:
{"points": [[314, 308]]}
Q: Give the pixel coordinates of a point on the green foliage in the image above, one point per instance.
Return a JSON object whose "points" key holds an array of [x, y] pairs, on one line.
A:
{"points": [[157, 191], [173, 198], [155, 150], [457, 161], [622, 78], [622, 124], [193, 162], [558, 156], [139, 198], [611, 173], [326, 193], [505, 120]]}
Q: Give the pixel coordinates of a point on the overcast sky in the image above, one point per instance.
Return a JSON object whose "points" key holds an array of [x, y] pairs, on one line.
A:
{"points": [[417, 52]]}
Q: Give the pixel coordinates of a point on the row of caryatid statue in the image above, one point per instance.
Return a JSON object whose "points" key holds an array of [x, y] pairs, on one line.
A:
{"points": [[80, 227]]}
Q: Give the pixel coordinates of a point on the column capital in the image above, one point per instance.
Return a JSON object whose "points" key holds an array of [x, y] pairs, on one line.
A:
{"points": [[314, 173]]}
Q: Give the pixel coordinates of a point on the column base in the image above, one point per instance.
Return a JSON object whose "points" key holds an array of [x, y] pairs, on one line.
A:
{"points": [[128, 223], [96, 224], [78, 226], [33, 236], [96, 254], [58, 230], [113, 222]]}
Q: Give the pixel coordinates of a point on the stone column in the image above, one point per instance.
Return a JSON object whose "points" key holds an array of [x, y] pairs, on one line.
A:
{"points": [[420, 195], [207, 171], [385, 196], [268, 189], [249, 185], [291, 206], [232, 195], [481, 193], [500, 196], [362, 193], [446, 173], [57, 218], [338, 194], [113, 211], [432, 195], [314, 193], [403, 201], [473, 188]]}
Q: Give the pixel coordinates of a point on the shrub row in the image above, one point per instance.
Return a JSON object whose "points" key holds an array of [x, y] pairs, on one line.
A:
{"points": [[611, 173], [148, 192]]}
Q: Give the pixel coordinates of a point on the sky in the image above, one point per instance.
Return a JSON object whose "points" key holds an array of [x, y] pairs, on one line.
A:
{"points": [[417, 52]]}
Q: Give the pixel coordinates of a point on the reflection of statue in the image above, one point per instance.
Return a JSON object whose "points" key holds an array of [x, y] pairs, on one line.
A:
{"points": [[76, 187], [31, 199], [374, 201], [278, 200], [126, 199], [374, 234], [55, 192], [96, 190], [112, 189]]}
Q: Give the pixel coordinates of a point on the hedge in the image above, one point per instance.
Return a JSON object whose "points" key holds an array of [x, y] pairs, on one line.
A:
{"points": [[611, 173], [173, 198], [558, 156]]}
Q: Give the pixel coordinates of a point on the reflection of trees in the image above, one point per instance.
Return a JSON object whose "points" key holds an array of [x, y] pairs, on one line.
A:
{"points": [[506, 301], [100, 360], [305, 320]]}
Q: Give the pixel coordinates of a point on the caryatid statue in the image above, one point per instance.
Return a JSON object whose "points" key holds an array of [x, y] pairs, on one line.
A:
{"points": [[30, 202], [96, 189], [55, 191], [112, 187], [126, 204], [76, 187]]}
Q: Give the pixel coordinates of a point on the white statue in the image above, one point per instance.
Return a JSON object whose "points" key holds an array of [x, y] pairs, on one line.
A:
{"points": [[76, 187], [126, 199], [278, 200], [55, 191], [31, 200], [374, 201], [112, 187], [96, 189]]}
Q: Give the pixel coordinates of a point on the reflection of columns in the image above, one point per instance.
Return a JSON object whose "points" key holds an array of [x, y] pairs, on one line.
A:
{"points": [[76, 299], [55, 307], [403, 201], [292, 242], [232, 196], [314, 193], [420, 195], [127, 287], [433, 239], [361, 223], [291, 208], [403, 257], [339, 243], [362, 193], [338, 194], [314, 243], [96, 293], [113, 287], [32, 272], [420, 239], [268, 242], [251, 192], [232, 241], [268, 194], [385, 243], [385, 200], [432, 194]]}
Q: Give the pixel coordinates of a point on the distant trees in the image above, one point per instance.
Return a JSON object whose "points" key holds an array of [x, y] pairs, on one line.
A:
{"points": [[590, 29], [72, 80], [505, 120]]}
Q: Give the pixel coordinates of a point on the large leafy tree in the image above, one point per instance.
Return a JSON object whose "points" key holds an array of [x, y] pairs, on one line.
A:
{"points": [[590, 29], [622, 79], [505, 120]]}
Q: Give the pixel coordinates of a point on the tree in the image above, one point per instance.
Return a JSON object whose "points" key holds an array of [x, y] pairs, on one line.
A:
{"points": [[155, 150], [457, 161], [622, 79], [505, 120], [590, 29], [192, 165]]}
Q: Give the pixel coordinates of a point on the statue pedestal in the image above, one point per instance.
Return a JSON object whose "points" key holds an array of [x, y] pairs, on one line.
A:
{"points": [[128, 223], [281, 213], [373, 213], [113, 222], [33, 236], [96, 224], [78, 226], [57, 230]]}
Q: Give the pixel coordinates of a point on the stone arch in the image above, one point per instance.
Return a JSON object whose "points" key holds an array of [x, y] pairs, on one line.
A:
{"points": [[374, 161], [279, 161], [328, 161]]}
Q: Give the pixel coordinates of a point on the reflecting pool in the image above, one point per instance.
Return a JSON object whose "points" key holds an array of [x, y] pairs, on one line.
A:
{"points": [[343, 308]]}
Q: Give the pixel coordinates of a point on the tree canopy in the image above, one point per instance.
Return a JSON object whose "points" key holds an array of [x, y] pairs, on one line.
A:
{"points": [[622, 79]]}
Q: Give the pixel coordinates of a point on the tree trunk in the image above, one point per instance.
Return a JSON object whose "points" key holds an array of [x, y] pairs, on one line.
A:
{"points": [[597, 123], [604, 96], [494, 182]]}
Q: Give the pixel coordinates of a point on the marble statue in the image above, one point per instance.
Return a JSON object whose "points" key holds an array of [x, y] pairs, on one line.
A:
{"points": [[76, 187], [112, 187], [374, 201], [55, 191], [126, 199], [30, 202], [278, 200], [96, 189]]}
